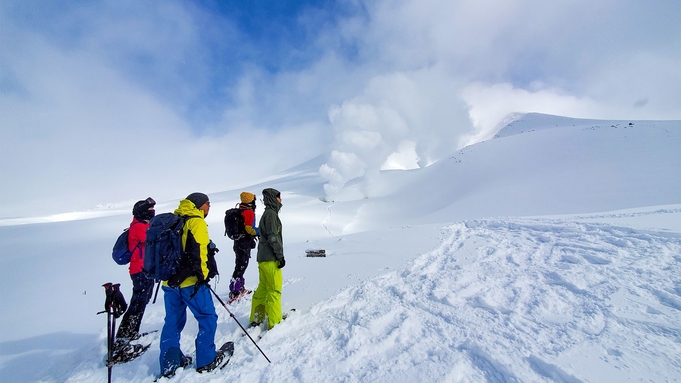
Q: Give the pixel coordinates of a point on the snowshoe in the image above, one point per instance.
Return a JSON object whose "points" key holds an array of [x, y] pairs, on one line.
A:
{"points": [[186, 361], [221, 358], [286, 314], [254, 324], [255, 331], [127, 352], [236, 296], [143, 334]]}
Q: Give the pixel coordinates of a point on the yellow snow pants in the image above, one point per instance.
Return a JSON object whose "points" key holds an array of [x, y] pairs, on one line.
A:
{"points": [[267, 297]]}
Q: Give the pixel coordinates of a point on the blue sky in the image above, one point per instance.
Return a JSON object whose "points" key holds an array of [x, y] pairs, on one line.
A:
{"points": [[92, 92], [188, 53]]}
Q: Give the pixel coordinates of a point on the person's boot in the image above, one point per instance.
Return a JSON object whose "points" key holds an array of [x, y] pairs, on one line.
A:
{"points": [[124, 351], [226, 350], [169, 370]]}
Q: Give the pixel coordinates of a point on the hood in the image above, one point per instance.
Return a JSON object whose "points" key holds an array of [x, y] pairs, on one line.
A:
{"points": [[187, 208], [270, 198]]}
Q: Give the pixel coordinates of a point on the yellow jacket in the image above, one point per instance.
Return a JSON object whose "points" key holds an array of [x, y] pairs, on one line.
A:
{"points": [[195, 241]]}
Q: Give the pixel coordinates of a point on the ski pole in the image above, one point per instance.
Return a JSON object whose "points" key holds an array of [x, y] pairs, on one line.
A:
{"points": [[237, 322], [109, 331], [158, 285]]}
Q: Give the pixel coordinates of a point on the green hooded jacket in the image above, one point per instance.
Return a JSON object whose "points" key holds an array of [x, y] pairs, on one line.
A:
{"points": [[271, 244]]}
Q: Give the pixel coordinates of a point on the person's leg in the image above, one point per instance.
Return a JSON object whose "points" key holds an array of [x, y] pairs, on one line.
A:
{"points": [[201, 305], [242, 256], [274, 285], [171, 356], [142, 287], [259, 299]]}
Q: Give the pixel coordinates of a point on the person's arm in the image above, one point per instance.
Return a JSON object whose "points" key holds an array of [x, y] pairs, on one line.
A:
{"points": [[249, 221], [273, 230]]}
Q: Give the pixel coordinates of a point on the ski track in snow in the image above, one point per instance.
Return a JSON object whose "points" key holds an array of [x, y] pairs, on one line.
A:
{"points": [[326, 220]]}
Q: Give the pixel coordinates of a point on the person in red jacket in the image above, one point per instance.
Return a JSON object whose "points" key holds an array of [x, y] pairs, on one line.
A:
{"points": [[142, 287], [242, 246]]}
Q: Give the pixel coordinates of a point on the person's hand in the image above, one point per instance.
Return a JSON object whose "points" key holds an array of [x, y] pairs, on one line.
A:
{"points": [[116, 300], [212, 248], [282, 263]]}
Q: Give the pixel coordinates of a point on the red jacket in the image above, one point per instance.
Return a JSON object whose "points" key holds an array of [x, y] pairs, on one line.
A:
{"points": [[137, 234]]}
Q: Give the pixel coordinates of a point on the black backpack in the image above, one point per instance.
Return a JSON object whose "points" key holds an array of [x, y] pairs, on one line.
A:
{"points": [[163, 247], [234, 224]]}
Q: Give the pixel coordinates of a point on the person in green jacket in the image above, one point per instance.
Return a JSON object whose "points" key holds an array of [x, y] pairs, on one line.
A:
{"points": [[267, 297]]}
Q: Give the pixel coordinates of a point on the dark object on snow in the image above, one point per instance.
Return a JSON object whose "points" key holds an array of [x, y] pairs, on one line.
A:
{"points": [[315, 253]]}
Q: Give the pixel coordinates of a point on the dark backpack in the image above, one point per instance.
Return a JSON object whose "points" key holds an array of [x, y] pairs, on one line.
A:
{"points": [[120, 253], [234, 224], [163, 247]]}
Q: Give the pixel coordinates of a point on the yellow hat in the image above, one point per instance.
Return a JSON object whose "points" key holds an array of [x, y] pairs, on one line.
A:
{"points": [[247, 197]]}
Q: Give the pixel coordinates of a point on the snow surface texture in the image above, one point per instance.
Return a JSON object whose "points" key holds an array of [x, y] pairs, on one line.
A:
{"points": [[420, 282]]}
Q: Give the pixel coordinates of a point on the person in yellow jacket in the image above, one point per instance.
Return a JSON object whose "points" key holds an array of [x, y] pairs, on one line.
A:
{"points": [[267, 297], [188, 289]]}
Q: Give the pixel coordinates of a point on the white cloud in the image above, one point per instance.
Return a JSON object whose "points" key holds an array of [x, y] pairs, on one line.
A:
{"points": [[421, 108], [76, 133]]}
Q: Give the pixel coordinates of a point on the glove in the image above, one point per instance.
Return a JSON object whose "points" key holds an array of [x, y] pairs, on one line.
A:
{"points": [[197, 286], [114, 300], [119, 305], [174, 281], [282, 263], [212, 248]]}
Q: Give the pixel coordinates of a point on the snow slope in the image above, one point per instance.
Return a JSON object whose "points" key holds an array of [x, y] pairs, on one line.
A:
{"points": [[543, 164], [550, 253]]}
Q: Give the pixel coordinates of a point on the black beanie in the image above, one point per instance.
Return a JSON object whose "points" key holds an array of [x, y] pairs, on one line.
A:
{"points": [[198, 199]]}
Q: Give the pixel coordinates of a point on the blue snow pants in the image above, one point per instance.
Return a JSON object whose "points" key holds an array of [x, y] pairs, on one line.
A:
{"points": [[201, 305]]}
